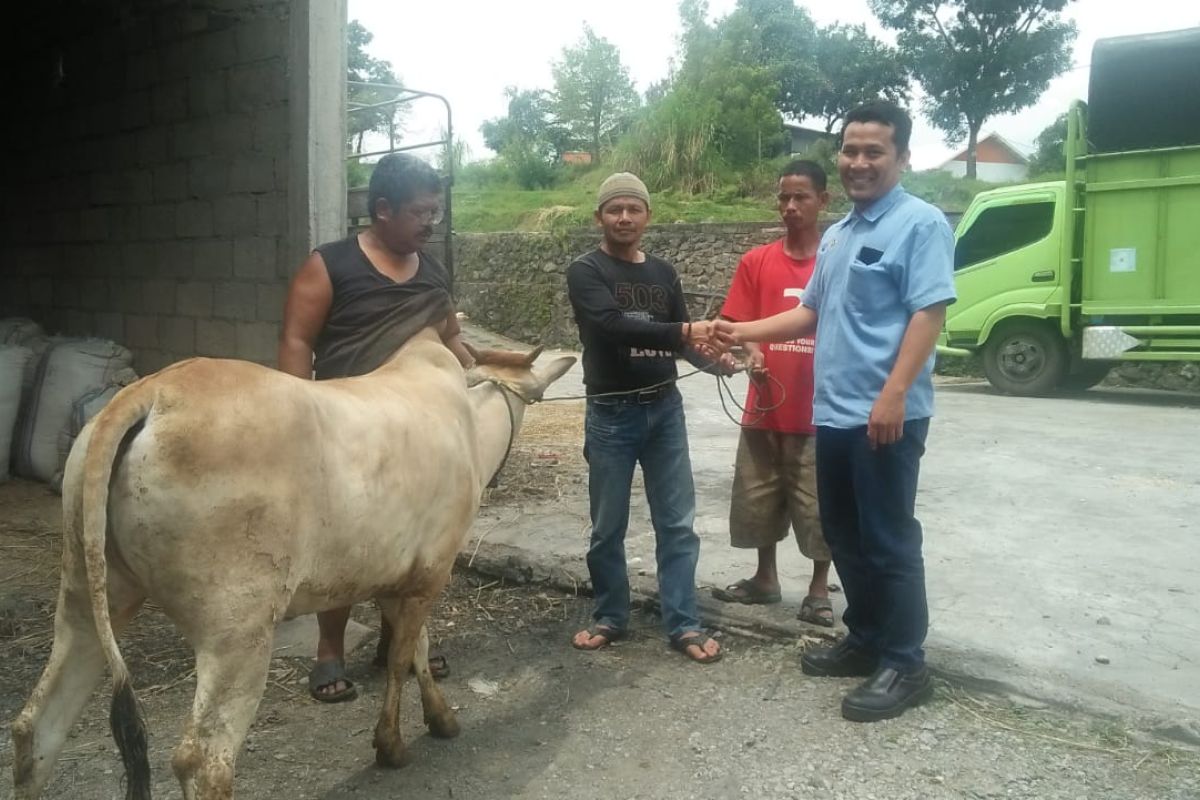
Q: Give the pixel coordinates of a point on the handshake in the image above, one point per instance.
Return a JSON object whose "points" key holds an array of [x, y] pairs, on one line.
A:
{"points": [[711, 338]]}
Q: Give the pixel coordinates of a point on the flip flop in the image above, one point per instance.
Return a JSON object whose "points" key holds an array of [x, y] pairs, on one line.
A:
{"points": [[607, 632], [439, 667], [682, 642], [811, 608], [327, 673], [746, 592]]}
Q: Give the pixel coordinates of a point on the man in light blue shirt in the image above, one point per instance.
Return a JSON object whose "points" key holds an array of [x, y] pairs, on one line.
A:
{"points": [[884, 276]]}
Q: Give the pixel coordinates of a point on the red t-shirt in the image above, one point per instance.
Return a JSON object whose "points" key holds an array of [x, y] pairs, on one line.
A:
{"points": [[767, 282]]}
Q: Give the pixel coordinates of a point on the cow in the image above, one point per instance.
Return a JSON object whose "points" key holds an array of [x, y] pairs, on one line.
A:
{"points": [[235, 496]]}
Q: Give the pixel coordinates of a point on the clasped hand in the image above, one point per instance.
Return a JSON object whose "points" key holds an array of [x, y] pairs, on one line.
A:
{"points": [[712, 338]]}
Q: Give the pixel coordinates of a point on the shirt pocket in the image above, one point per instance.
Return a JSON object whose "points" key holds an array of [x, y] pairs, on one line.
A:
{"points": [[870, 287]]}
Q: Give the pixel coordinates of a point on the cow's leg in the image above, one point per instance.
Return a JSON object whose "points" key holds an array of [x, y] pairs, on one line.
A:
{"points": [[407, 617], [75, 667], [438, 716], [231, 674]]}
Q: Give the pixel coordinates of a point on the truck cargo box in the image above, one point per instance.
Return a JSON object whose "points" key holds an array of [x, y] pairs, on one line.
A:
{"points": [[1141, 252], [1143, 91]]}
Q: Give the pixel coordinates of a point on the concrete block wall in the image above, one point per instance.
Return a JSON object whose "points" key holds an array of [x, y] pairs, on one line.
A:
{"points": [[145, 195]]}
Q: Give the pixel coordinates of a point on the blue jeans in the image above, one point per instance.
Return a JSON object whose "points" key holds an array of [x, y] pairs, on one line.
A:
{"points": [[867, 500], [620, 433]]}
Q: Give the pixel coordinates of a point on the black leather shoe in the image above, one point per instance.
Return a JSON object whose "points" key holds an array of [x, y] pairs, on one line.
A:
{"points": [[840, 661], [887, 694]]}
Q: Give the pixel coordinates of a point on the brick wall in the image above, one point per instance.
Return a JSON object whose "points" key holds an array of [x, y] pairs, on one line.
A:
{"points": [[145, 194]]}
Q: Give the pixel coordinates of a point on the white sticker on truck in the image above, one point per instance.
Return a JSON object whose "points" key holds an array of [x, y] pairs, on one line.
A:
{"points": [[1122, 259]]}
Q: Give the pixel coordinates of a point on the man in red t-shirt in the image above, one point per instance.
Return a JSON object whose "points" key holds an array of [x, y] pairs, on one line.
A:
{"points": [[774, 480]]}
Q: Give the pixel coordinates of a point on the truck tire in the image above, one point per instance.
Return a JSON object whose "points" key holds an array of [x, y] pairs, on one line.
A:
{"points": [[1088, 375], [1027, 359]]}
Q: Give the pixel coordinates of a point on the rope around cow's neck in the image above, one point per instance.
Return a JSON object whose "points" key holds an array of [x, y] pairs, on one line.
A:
{"points": [[512, 427], [723, 389]]}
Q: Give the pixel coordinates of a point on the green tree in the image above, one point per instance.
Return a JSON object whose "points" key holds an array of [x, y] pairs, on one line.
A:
{"points": [[362, 68], [1050, 153], [529, 164], [731, 78], [528, 139], [593, 95], [452, 156], [530, 118], [979, 58], [718, 115], [853, 67], [780, 37], [657, 91]]}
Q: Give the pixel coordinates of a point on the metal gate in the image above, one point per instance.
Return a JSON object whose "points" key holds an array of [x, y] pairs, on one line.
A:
{"points": [[356, 196]]}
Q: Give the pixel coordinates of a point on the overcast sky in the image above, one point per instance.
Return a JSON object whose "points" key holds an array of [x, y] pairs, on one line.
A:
{"points": [[470, 50]]}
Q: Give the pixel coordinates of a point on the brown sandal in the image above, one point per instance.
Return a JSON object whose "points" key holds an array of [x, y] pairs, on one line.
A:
{"points": [[748, 593], [606, 632], [816, 611], [683, 641]]}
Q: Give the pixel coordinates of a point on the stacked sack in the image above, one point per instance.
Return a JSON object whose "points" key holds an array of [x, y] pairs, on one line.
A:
{"points": [[13, 360], [21, 340], [66, 381]]}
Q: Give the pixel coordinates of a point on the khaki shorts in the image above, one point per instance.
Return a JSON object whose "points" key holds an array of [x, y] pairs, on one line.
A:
{"points": [[774, 486]]}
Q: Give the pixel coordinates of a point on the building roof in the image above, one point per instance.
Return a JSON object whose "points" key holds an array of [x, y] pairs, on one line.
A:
{"points": [[792, 126], [1000, 150]]}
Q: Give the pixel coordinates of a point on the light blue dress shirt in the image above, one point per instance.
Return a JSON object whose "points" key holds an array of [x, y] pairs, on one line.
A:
{"points": [[875, 268]]}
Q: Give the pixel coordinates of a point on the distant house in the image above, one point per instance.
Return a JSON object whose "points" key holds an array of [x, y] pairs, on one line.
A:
{"points": [[804, 138], [576, 157], [997, 160]]}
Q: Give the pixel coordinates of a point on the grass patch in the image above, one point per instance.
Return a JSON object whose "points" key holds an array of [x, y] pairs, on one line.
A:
{"points": [[489, 210], [959, 366], [486, 203]]}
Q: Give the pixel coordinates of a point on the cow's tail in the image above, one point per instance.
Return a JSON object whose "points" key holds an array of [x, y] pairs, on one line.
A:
{"points": [[122, 415]]}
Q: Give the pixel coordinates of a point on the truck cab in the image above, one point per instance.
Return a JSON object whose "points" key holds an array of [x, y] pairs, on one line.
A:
{"points": [[1011, 286], [1058, 281]]}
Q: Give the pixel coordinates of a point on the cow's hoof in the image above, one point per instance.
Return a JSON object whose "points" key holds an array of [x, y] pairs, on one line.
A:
{"points": [[444, 726], [391, 755]]}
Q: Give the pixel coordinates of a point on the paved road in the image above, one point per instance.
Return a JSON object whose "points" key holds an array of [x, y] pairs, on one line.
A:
{"points": [[1060, 533]]}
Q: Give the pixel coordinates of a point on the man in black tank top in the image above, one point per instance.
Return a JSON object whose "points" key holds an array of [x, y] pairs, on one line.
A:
{"points": [[351, 305]]}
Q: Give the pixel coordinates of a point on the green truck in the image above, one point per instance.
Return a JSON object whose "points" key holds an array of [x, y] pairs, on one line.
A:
{"points": [[1059, 281]]}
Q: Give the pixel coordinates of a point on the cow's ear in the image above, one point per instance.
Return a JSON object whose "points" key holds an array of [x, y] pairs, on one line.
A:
{"points": [[499, 358], [533, 355]]}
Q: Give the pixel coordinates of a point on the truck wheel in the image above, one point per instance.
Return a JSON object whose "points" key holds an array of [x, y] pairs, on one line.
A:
{"points": [[1088, 375], [1026, 359]]}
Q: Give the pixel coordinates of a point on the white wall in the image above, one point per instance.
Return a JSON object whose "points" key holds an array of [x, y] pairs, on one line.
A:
{"points": [[993, 173]]}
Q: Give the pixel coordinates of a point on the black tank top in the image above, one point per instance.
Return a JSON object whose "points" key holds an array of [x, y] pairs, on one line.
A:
{"points": [[371, 315]]}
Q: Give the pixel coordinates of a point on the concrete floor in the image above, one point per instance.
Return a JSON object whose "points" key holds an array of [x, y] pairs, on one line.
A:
{"points": [[1060, 533]]}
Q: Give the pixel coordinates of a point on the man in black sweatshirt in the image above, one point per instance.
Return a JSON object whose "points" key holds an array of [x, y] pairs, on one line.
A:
{"points": [[633, 323]]}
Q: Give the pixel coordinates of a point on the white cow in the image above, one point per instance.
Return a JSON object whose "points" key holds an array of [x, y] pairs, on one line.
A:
{"points": [[233, 496]]}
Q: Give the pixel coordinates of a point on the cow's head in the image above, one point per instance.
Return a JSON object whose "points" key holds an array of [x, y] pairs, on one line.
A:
{"points": [[515, 371]]}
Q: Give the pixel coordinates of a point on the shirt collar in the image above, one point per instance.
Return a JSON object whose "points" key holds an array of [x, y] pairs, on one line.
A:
{"points": [[881, 206]]}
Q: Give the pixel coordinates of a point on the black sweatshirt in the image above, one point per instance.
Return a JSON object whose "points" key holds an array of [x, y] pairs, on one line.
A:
{"points": [[630, 320]]}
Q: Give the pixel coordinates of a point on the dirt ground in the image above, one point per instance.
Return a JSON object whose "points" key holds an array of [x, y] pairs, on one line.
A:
{"points": [[541, 720]]}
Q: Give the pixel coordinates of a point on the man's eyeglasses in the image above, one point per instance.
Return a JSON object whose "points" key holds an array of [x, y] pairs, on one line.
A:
{"points": [[427, 216]]}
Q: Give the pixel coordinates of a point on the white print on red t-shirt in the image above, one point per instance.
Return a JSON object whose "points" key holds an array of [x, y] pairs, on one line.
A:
{"points": [[794, 346], [803, 345]]}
